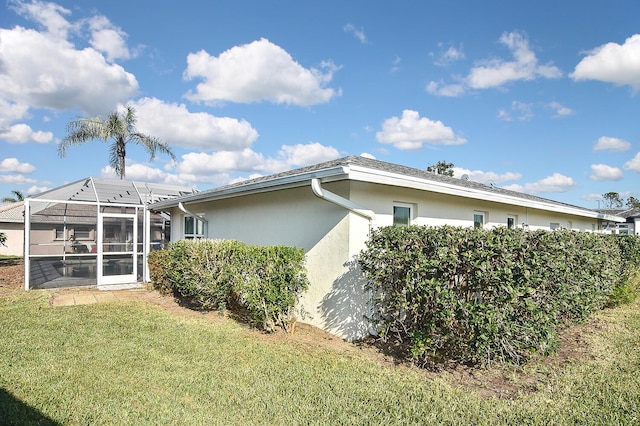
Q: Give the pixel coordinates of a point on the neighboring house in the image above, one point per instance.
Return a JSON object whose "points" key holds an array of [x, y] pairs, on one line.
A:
{"points": [[328, 210], [631, 226], [12, 225]]}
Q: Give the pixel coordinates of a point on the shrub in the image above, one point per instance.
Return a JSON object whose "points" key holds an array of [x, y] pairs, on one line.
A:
{"points": [[481, 296], [219, 274]]}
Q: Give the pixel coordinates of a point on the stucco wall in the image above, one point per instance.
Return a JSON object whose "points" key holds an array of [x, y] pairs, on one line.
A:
{"points": [[332, 236], [15, 239], [440, 209], [296, 217]]}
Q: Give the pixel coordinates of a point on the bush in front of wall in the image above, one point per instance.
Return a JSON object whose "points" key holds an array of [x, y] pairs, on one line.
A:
{"points": [[474, 296], [218, 274]]}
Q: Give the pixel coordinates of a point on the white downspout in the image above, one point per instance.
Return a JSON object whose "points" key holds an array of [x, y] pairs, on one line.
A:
{"points": [[195, 216], [341, 201]]}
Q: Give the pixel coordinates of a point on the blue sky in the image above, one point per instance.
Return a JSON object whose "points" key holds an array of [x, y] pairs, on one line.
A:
{"points": [[539, 97]]}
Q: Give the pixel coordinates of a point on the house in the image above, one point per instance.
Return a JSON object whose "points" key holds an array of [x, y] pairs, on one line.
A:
{"points": [[630, 227], [12, 225], [93, 232], [328, 210]]}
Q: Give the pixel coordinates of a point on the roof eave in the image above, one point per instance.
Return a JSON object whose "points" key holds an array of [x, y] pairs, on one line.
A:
{"points": [[285, 182], [383, 177]]}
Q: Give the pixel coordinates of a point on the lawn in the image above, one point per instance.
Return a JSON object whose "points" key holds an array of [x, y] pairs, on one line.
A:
{"points": [[136, 363]]}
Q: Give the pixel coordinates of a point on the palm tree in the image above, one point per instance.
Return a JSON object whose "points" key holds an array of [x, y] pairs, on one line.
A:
{"points": [[17, 196], [121, 127]]}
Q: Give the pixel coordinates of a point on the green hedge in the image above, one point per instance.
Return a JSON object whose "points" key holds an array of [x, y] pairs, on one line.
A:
{"points": [[217, 274], [476, 296]]}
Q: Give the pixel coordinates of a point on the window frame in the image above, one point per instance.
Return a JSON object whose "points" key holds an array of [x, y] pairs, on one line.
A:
{"points": [[198, 228], [514, 219], [399, 205], [481, 214]]}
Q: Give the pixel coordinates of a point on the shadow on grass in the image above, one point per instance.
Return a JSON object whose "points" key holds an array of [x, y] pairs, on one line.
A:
{"points": [[15, 412]]}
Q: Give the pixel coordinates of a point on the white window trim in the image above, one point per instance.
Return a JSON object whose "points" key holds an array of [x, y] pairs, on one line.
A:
{"points": [[409, 206], [195, 233], [484, 218]]}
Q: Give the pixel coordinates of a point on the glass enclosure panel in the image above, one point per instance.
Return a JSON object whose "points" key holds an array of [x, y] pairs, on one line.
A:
{"points": [[62, 228], [118, 234], [117, 264], [67, 271]]}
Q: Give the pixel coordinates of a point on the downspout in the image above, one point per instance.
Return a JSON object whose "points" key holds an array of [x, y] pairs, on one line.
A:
{"points": [[195, 216], [341, 201]]}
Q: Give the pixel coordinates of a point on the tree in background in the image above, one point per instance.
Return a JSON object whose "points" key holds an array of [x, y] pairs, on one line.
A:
{"points": [[441, 168], [17, 196], [633, 203], [117, 126], [612, 200]]}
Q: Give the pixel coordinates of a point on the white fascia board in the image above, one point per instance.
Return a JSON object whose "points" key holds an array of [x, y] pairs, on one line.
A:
{"points": [[386, 178], [285, 182]]}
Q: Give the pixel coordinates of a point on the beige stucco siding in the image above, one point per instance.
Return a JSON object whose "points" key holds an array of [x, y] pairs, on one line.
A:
{"points": [[296, 217], [437, 209], [14, 245], [333, 236]]}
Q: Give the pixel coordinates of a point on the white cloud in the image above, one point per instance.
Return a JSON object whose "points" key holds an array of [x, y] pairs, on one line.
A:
{"points": [[611, 144], [497, 72], [33, 190], [522, 111], [357, 33], [258, 71], [109, 39], [411, 131], [554, 183], [44, 72], [367, 155], [289, 156], [175, 125], [17, 180], [12, 165], [447, 90], [44, 69], [603, 172], [612, 63], [11, 111], [633, 164], [592, 197], [561, 110], [22, 133], [448, 54], [48, 15], [486, 177], [395, 63]]}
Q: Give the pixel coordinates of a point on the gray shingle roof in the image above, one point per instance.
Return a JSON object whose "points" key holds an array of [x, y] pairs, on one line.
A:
{"points": [[626, 213], [13, 212], [376, 165]]}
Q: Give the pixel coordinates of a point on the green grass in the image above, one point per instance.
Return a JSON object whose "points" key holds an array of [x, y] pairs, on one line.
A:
{"points": [[134, 363]]}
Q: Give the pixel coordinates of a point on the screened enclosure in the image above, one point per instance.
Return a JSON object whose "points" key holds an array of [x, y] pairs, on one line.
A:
{"points": [[94, 232]]}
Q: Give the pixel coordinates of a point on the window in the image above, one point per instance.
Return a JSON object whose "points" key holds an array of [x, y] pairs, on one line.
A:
{"points": [[82, 232], [478, 219], [193, 228], [554, 226], [511, 221], [402, 214], [60, 234]]}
